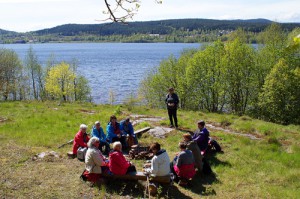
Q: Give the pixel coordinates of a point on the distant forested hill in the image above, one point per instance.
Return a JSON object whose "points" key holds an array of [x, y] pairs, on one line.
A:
{"points": [[173, 30], [161, 27]]}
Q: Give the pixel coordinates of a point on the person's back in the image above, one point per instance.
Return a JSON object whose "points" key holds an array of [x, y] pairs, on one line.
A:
{"points": [[184, 166], [192, 146], [160, 163]]}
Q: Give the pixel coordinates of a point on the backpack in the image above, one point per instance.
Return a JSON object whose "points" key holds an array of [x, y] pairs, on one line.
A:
{"points": [[81, 153]]}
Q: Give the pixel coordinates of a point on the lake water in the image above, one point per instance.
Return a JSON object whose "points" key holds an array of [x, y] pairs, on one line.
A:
{"points": [[117, 67]]}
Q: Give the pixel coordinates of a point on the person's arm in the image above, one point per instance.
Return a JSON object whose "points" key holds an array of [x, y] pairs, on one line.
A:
{"points": [[110, 133], [176, 99], [79, 140], [97, 159], [154, 166], [179, 161], [103, 136], [131, 130], [94, 133]]}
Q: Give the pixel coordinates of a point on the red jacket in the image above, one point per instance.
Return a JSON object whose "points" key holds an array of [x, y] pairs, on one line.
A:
{"points": [[80, 140], [118, 165]]}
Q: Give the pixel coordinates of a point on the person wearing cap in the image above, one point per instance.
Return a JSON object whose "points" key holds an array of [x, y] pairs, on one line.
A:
{"points": [[114, 131], [201, 136], [128, 131], [97, 131], [172, 102], [81, 139]]}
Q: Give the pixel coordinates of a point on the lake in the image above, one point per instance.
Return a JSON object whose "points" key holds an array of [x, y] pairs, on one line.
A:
{"points": [[117, 67]]}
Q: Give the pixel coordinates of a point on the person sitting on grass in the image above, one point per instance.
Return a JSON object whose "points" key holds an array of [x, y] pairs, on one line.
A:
{"points": [[118, 164], [114, 132], [95, 162], [81, 139], [128, 131], [192, 146], [97, 131], [160, 163], [183, 165], [201, 136]]}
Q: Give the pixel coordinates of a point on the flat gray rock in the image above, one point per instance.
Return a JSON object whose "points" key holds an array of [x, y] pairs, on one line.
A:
{"points": [[160, 132]]}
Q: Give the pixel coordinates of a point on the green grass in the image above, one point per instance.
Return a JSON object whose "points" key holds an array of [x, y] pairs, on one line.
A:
{"points": [[266, 168]]}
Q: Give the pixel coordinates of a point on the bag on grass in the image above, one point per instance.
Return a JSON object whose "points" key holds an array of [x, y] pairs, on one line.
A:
{"points": [[81, 153]]}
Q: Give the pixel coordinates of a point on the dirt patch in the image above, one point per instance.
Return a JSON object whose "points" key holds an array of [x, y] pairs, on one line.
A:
{"points": [[3, 119], [251, 136], [137, 119], [87, 111]]}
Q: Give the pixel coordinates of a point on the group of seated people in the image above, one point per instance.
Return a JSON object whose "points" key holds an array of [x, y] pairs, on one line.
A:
{"points": [[184, 165], [122, 132]]}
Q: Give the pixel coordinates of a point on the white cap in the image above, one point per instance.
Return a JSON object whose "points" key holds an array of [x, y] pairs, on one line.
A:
{"points": [[97, 122], [83, 126]]}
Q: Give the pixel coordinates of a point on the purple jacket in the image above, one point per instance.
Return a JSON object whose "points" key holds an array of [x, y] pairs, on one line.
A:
{"points": [[201, 136]]}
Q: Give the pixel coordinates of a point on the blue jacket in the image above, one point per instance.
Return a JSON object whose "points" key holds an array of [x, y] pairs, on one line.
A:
{"points": [[111, 131], [127, 129], [99, 134], [201, 136]]}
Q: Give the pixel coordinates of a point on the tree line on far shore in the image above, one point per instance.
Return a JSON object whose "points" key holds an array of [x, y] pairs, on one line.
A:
{"points": [[235, 77], [29, 80]]}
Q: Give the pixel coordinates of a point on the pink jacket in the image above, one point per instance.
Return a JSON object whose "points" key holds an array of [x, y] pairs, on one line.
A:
{"points": [[118, 165], [185, 171]]}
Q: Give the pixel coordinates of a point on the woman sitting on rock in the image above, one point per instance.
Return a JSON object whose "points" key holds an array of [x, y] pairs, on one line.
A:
{"points": [[118, 164], [95, 162], [183, 165]]}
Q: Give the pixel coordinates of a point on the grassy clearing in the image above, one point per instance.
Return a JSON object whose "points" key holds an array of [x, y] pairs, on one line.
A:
{"points": [[266, 168]]}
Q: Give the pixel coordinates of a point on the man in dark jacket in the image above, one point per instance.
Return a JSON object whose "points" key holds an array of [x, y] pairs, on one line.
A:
{"points": [[201, 136], [172, 102]]}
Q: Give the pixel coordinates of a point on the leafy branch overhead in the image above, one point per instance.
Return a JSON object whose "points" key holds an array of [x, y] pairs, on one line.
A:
{"points": [[122, 10]]}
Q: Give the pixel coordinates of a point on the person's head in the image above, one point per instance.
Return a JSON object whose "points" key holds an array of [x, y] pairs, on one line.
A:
{"points": [[171, 90], [117, 146], [94, 141], [113, 119], [187, 137], [201, 124], [83, 128], [127, 120], [97, 125], [182, 146], [155, 147]]}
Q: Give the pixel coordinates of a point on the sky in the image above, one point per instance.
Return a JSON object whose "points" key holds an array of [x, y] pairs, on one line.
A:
{"points": [[30, 15]]}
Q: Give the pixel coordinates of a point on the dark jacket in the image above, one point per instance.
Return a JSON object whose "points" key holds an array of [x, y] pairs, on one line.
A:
{"points": [[172, 99], [201, 136]]}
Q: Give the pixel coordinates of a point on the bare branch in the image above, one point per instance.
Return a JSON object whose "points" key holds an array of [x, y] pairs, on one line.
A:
{"points": [[121, 10]]}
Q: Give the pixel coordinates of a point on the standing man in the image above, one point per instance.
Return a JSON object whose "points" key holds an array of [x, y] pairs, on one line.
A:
{"points": [[172, 104]]}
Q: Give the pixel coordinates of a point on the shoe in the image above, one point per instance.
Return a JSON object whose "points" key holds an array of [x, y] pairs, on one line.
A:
{"points": [[171, 126]]}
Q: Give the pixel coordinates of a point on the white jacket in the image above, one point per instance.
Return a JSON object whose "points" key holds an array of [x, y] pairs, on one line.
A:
{"points": [[94, 160], [160, 164]]}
